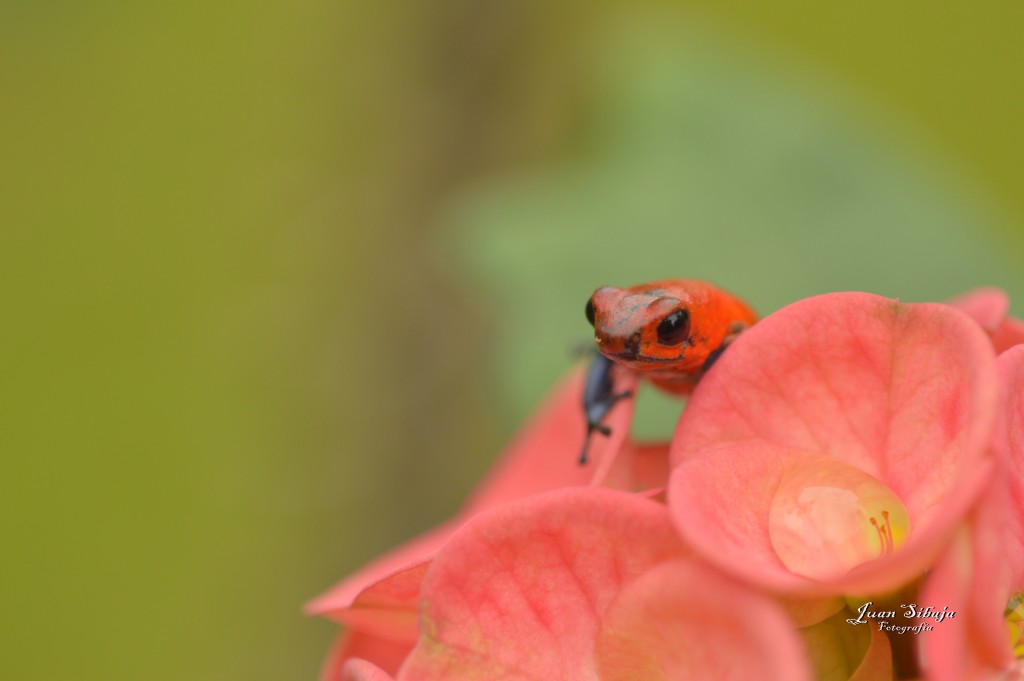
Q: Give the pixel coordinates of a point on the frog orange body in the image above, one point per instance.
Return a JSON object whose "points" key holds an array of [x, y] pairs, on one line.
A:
{"points": [[668, 331]]}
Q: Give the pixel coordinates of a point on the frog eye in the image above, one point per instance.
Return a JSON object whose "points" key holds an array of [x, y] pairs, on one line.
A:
{"points": [[675, 328], [591, 312]]}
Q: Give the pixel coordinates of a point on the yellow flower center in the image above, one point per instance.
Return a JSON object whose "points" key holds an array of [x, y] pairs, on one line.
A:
{"points": [[1015, 625], [827, 518]]}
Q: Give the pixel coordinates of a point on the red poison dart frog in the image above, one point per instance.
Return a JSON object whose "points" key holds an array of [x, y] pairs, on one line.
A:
{"points": [[669, 331]]}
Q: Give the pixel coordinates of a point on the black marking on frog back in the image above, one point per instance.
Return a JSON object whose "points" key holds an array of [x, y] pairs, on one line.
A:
{"points": [[734, 330]]}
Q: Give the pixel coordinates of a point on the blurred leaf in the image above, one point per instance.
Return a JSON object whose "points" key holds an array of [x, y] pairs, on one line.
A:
{"points": [[695, 165]]}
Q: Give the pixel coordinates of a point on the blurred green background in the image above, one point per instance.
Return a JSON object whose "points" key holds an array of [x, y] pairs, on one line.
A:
{"points": [[279, 279]]}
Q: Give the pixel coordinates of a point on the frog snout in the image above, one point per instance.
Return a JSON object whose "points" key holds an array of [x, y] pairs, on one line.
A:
{"points": [[619, 347]]}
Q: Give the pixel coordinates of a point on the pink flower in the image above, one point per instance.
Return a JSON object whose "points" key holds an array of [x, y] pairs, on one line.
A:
{"points": [[845, 446], [836, 445]]}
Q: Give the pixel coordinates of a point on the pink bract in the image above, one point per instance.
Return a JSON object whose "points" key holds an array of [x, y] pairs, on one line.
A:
{"points": [[989, 307], [683, 620], [362, 670], [348, 660], [1009, 444], [901, 397], [593, 584]]}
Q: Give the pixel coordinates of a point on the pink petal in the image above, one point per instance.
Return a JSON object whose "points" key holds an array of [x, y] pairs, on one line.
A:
{"points": [[987, 306], [361, 670], [1008, 335], [945, 652], [409, 556], [387, 608], [682, 620], [905, 393], [520, 591], [650, 466], [1010, 450], [364, 651], [722, 504]]}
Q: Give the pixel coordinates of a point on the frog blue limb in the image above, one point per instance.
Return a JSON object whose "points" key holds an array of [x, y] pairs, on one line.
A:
{"points": [[599, 397]]}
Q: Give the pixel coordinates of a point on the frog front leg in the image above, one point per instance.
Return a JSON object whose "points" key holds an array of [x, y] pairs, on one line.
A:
{"points": [[599, 397]]}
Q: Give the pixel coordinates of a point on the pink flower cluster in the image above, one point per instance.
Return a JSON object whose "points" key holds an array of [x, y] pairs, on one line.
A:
{"points": [[843, 498]]}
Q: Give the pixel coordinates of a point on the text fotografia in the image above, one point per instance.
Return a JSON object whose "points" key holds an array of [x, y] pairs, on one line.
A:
{"points": [[911, 611]]}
